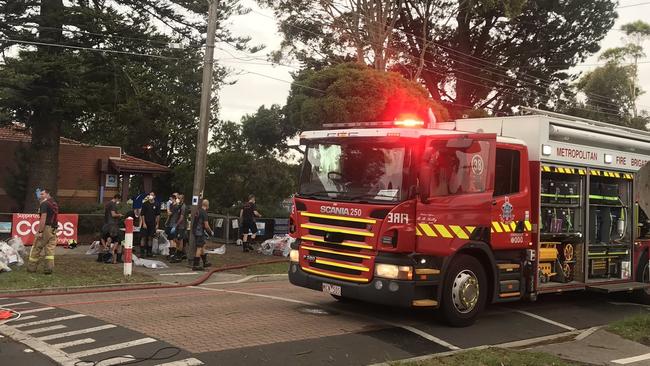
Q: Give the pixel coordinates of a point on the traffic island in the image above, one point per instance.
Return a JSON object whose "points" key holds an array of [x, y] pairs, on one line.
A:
{"points": [[494, 357]]}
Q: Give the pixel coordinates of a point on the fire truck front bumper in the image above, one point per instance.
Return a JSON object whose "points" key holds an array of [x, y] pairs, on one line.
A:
{"points": [[378, 291]]}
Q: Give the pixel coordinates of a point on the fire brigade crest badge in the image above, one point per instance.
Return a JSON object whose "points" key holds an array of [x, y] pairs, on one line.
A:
{"points": [[507, 212]]}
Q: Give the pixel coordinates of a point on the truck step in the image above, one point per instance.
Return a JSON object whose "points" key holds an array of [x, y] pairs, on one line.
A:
{"points": [[425, 302], [618, 287], [510, 295], [508, 267]]}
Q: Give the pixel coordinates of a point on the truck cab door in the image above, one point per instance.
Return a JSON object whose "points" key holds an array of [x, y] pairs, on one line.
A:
{"points": [[511, 226], [455, 186]]}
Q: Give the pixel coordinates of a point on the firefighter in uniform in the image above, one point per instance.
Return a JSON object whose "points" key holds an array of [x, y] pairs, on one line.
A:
{"points": [[45, 239]]}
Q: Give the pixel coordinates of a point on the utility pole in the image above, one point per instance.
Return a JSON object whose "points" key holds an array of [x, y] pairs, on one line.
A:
{"points": [[204, 120]]}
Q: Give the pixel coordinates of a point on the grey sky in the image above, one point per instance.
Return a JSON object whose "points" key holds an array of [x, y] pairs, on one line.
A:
{"points": [[251, 91]]}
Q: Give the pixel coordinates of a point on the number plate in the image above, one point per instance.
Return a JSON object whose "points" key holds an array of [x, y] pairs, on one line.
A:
{"points": [[331, 289]]}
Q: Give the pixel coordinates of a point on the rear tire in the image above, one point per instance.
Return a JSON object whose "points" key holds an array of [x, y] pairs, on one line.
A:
{"points": [[643, 275], [464, 291]]}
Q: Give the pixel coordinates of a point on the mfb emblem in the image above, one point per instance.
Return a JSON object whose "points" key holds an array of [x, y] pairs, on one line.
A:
{"points": [[507, 212]]}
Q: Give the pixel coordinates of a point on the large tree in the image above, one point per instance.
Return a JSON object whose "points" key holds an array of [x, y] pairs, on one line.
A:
{"points": [[52, 78], [471, 54]]}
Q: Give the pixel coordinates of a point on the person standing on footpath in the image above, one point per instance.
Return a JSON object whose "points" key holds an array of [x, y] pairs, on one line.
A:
{"points": [[247, 217], [110, 230], [149, 221], [177, 253], [200, 226], [45, 238]]}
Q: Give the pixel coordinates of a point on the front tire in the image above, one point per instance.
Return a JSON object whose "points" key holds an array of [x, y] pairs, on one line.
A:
{"points": [[643, 275], [464, 291]]}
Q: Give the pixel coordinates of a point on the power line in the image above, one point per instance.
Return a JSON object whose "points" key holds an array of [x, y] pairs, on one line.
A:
{"points": [[102, 50], [632, 5]]}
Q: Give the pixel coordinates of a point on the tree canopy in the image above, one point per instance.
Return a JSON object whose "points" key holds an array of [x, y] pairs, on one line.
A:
{"points": [[470, 54]]}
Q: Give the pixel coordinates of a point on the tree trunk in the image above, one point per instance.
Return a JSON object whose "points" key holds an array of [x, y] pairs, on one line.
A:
{"points": [[46, 119], [44, 156]]}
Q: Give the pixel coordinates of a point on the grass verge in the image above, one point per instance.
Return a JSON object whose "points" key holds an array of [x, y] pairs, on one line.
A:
{"points": [[494, 357], [635, 328], [69, 271]]}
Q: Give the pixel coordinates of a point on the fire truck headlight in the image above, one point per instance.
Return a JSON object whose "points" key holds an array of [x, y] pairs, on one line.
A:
{"points": [[294, 256], [393, 272]]}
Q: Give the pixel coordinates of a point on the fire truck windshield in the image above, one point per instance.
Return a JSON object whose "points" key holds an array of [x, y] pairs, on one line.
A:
{"points": [[354, 171]]}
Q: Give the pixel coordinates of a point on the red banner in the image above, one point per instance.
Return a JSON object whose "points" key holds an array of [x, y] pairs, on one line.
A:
{"points": [[25, 226]]}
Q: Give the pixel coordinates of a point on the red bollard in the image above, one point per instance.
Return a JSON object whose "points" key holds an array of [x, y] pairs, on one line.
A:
{"points": [[128, 246]]}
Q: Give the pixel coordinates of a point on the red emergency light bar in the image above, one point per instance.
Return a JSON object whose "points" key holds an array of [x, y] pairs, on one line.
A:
{"points": [[399, 123]]}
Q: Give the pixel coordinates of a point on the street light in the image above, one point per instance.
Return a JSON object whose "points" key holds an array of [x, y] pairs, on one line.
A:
{"points": [[204, 119]]}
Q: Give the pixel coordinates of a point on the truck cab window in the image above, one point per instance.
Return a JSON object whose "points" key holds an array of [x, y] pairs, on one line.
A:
{"points": [[506, 174], [459, 170]]}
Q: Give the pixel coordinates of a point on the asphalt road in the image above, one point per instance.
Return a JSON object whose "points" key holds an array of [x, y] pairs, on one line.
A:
{"points": [[274, 323]]}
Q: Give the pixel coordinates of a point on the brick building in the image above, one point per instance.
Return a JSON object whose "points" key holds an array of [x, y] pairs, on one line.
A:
{"points": [[87, 174]]}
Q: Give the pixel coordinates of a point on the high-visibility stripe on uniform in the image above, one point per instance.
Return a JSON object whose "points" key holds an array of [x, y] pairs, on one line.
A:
{"points": [[460, 233], [33, 259], [443, 231], [428, 230], [49, 257]]}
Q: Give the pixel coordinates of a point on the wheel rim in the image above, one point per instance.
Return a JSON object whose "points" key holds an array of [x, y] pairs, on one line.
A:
{"points": [[465, 291], [646, 277]]}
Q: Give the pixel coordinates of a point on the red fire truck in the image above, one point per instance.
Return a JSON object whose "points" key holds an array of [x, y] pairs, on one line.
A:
{"points": [[472, 211]]}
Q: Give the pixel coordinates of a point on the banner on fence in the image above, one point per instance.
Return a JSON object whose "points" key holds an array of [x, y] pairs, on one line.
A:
{"points": [[25, 226]]}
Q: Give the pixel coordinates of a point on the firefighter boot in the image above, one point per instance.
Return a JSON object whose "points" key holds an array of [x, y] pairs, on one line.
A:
{"points": [[197, 266], [206, 264]]}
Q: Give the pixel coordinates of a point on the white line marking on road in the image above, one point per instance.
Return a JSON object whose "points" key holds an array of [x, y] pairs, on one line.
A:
{"points": [[586, 333], [77, 342], [22, 318], [117, 360], [185, 362], [397, 325], [55, 354], [625, 361], [546, 320], [53, 320], [77, 332], [36, 310], [45, 329], [113, 347], [427, 336], [14, 304]]}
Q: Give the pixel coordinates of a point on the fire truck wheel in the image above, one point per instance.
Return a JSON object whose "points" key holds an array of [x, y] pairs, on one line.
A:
{"points": [[464, 292], [643, 275]]}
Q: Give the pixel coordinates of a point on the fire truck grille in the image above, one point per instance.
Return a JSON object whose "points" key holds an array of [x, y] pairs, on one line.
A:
{"points": [[343, 237], [338, 257], [346, 271], [341, 223]]}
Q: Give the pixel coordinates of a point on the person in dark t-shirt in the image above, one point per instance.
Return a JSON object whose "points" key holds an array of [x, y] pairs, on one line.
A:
{"points": [[247, 217], [201, 225], [110, 238], [149, 221]]}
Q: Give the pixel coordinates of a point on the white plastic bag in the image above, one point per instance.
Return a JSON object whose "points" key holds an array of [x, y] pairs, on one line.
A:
{"points": [[94, 248], [148, 263], [279, 245], [4, 263], [221, 250], [161, 245], [11, 254], [17, 244]]}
